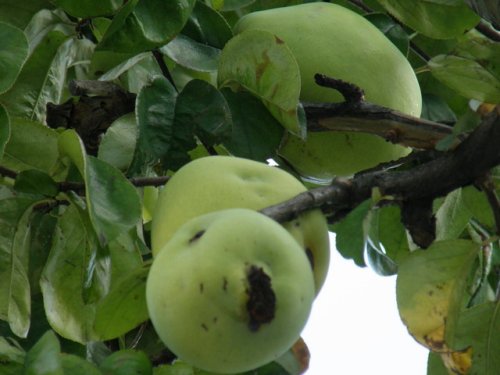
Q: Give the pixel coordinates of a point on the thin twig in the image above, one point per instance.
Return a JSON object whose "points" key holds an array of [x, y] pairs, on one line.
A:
{"points": [[163, 67]]}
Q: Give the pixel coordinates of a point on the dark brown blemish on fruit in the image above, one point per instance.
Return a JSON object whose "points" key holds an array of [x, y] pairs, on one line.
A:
{"points": [[202, 287], [224, 284], [310, 256], [197, 236], [278, 40], [261, 304], [204, 326]]}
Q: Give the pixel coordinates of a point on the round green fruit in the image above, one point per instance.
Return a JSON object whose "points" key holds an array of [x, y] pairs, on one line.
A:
{"points": [[218, 182], [230, 291], [329, 39]]}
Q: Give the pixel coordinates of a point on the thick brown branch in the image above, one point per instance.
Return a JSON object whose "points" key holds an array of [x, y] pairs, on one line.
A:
{"points": [[432, 179], [394, 126]]}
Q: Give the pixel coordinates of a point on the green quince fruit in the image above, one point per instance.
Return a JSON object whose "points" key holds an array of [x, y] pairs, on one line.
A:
{"points": [[231, 291], [332, 40]]}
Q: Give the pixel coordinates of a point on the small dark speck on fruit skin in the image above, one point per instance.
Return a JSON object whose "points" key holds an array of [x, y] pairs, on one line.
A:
{"points": [[204, 326], [197, 236], [201, 287]]}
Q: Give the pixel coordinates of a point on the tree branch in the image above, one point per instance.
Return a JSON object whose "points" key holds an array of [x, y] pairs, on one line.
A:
{"points": [[434, 178], [355, 114], [164, 68]]}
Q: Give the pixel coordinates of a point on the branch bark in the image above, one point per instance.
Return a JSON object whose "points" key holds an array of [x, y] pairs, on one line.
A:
{"points": [[434, 178], [355, 114]]}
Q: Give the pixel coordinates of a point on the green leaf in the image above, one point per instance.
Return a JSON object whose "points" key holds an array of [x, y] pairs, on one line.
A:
{"points": [[204, 107], [71, 146], [191, 54], [46, 21], [256, 134], [13, 54], [429, 290], [113, 202], [144, 25], [467, 77], [435, 108], [31, 146], [435, 365], [476, 46], [14, 259], [477, 203], [124, 308], [262, 64], [452, 217], [41, 80], [206, 25], [478, 328], [123, 67], [75, 276], [11, 357], [392, 30], [125, 252], [440, 19], [43, 358], [89, 8], [127, 362], [388, 235], [74, 365], [109, 65], [155, 111], [42, 230], [350, 234], [118, 143], [32, 181], [4, 129], [20, 13]]}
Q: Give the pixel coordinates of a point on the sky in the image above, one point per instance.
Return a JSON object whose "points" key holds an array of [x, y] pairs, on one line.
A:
{"points": [[355, 329]]}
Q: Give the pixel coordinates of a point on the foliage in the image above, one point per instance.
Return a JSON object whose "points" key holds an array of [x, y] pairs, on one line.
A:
{"points": [[75, 216]]}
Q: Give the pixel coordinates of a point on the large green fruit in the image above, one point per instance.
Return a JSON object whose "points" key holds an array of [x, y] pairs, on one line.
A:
{"points": [[230, 291], [329, 39], [217, 182]]}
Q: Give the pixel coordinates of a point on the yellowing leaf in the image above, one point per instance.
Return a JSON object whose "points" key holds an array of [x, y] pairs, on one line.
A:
{"points": [[429, 290], [458, 362]]}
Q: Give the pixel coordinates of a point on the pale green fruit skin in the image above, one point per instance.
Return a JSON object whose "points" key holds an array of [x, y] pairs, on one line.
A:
{"points": [[330, 39], [197, 290], [218, 182]]}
